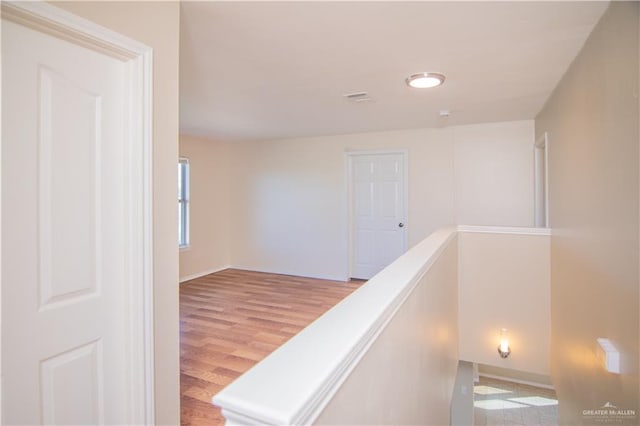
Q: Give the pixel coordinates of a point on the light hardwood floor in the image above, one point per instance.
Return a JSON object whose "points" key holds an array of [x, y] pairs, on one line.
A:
{"points": [[232, 319]]}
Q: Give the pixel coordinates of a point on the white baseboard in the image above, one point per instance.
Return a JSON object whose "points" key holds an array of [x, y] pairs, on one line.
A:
{"points": [[265, 270], [522, 382], [291, 273], [202, 274]]}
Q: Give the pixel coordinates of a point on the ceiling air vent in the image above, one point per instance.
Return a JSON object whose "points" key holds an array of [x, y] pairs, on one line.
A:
{"points": [[358, 97]]}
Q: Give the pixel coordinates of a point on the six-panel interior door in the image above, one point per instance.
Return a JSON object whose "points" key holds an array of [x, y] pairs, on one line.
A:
{"points": [[64, 227], [378, 212]]}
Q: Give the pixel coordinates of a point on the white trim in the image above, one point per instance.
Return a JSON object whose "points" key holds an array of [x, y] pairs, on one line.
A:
{"points": [[504, 230], [349, 151], [42, 16], [542, 143], [248, 399], [268, 271], [522, 382], [289, 273], [1, 326], [348, 156], [147, 237], [49, 19], [202, 274], [546, 178], [349, 214]]}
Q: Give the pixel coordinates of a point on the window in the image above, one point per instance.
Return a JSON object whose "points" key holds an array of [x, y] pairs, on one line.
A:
{"points": [[183, 202]]}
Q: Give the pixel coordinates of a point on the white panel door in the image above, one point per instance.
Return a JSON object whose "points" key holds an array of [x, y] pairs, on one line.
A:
{"points": [[64, 232], [378, 194]]}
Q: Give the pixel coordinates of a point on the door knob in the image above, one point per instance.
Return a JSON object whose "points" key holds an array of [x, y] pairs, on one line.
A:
{"points": [[400, 225]]}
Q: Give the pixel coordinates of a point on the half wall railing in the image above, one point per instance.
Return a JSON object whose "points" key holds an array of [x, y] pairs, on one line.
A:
{"points": [[388, 353], [366, 359]]}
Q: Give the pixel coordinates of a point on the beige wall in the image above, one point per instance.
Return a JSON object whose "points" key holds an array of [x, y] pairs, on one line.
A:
{"points": [[494, 174], [289, 198], [504, 283], [592, 122], [419, 342], [209, 207], [157, 25]]}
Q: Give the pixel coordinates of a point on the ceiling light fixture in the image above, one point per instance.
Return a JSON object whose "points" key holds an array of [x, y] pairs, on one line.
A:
{"points": [[425, 80]]}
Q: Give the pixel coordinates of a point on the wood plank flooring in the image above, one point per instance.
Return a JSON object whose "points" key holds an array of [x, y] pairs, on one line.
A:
{"points": [[232, 319]]}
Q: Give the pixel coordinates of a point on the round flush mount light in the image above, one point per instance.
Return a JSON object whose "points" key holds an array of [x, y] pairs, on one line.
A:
{"points": [[425, 80]]}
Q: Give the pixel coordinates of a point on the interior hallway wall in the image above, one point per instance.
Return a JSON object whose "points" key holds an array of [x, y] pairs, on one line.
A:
{"points": [[289, 197], [209, 214], [290, 201], [592, 123], [494, 174], [407, 374], [157, 25], [503, 282]]}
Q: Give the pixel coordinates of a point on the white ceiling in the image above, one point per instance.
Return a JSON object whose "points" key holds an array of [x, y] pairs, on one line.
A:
{"points": [[266, 70]]}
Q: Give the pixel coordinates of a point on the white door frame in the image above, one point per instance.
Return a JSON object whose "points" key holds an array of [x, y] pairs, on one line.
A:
{"points": [[349, 155], [49, 19], [541, 155]]}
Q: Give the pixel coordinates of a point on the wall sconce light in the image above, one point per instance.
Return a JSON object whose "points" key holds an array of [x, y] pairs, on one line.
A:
{"points": [[503, 349]]}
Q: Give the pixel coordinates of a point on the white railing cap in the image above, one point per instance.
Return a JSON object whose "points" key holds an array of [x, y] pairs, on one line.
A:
{"points": [[515, 230]]}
